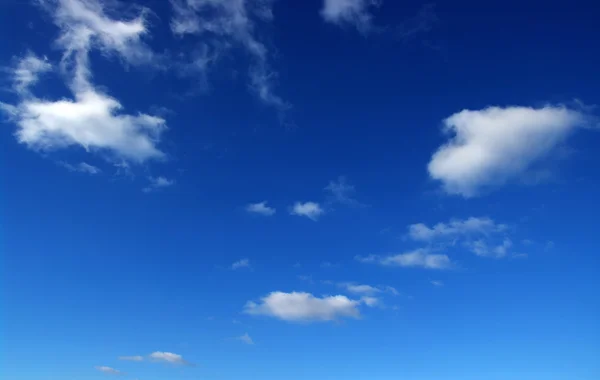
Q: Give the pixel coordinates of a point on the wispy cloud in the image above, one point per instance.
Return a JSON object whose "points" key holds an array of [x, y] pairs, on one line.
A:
{"points": [[168, 357], [260, 208], [490, 147], [243, 263], [136, 358], [82, 167], [420, 258], [109, 370], [354, 13], [223, 25], [436, 283], [455, 227], [245, 339], [311, 210], [342, 192], [157, 183], [27, 71]]}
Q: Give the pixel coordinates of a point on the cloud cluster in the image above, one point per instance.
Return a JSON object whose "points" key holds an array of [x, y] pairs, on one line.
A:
{"points": [[92, 120], [304, 307], [487, 148]]}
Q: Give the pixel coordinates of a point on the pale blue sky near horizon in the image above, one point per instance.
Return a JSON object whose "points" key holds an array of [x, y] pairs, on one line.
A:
{"points": [[326, 189]]}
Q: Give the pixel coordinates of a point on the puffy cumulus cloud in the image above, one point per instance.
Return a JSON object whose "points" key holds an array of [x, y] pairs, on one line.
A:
{"points": [[453, 228], [420, 258], [27, 71], [489, 147], [243, 263], [311, 210], [304, 307], [225, 24], [260, 208], [168, 357], [109, 370], [355, 13], [91, 120], [157, 183]]}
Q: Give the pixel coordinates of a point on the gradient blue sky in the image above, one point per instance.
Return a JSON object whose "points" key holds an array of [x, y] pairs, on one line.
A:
{"points": [[327, 189]]}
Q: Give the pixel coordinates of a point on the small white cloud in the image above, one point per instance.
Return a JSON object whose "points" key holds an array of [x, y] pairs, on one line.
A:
{"points": [[304, 307], [168, 357], [310, 210], [246, 339], [436, 283], [157, 183], [109, 370], [260, 208], [490, 147], [370, 301], [355, 13], [27, 71], [481, 248], [243, 263], [360, 288], [418, 258], [453, 228], [82, 167], [136, 358]]}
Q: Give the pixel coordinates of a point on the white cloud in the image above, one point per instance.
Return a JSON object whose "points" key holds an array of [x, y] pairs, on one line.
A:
{"points": [[342, 192], [417, 258], [260, 208], [246, 339], [356, 13], [436, 283], [455, 227], [243, 263], [136, 358], [82, 167], [481, 248], [227, 23], [490, 147], [109, 370], [310, 210], [360, 288], [92, 120], [304, 307], [27, 71], [157, 183], [167, 357], [370, 301]]}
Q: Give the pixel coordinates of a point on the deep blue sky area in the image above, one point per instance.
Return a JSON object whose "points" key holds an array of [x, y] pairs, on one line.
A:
{"points": [[324, 189]]}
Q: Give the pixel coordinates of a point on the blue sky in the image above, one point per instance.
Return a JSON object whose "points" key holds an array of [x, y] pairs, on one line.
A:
{"points": [[327, 189]]}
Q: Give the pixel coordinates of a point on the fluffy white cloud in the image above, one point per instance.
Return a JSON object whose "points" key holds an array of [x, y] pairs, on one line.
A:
{"points": [[481, 248], [167, 357], [27, 71], [311, 210], [489, 147], [109, 370], [349, 12], [136, 358], [243, 263], [92, 120], [304, 307], [227, 23], [157, 183], [453, 228], [260, 208], [417, 258], [246, 339]]}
